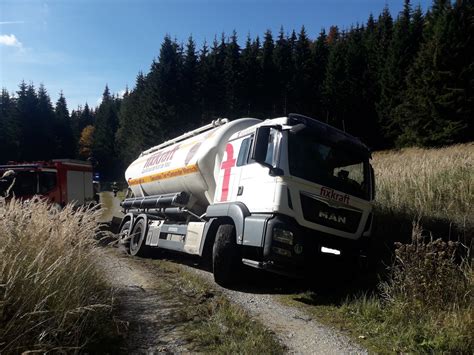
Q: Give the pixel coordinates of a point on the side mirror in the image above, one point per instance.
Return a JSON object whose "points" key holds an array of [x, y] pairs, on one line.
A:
{"points": [[260, 147], [276, 172]]}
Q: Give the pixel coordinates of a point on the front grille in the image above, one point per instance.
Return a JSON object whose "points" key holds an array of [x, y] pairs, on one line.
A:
{"points": [[320, 212]]}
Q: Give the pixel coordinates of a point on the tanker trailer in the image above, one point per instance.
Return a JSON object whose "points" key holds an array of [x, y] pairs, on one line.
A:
{"points": [[270, 194]]}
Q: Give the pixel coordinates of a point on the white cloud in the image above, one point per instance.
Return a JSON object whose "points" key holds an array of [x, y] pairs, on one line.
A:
{"points": [[11, 22], [10, 40]]}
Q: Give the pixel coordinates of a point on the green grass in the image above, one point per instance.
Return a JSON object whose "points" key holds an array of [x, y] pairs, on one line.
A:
{"points": [[216, 325], [384, 328]]}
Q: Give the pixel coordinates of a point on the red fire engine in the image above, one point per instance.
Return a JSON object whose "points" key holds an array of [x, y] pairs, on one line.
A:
{"points": [[61, 181]]}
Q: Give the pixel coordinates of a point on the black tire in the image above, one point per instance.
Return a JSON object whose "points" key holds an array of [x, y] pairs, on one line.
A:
{"points": [[225, 256], [137, 245], [124, 236]]}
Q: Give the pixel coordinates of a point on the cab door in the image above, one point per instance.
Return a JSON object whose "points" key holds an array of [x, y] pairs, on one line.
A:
{"points": [[256, 188]]}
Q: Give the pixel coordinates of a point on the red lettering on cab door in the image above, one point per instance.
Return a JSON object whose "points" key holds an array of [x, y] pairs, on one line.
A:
{"points": [[227, 167]]}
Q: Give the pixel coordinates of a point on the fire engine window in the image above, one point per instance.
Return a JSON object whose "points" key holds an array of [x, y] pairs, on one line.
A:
{"points": [[25, 184], [47, 182], [242, 159]]}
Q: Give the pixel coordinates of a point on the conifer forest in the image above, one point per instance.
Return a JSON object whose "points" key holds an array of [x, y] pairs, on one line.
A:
{"points": [[397, 80]]}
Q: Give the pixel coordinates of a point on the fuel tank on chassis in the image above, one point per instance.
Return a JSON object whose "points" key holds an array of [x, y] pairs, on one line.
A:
{"points": [[191, 165]]}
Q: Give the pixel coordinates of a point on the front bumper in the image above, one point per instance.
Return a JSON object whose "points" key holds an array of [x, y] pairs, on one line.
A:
{"points": [[303, 252]]}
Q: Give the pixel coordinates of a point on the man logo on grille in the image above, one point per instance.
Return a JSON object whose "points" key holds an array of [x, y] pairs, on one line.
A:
{"points": [[332, 217]]}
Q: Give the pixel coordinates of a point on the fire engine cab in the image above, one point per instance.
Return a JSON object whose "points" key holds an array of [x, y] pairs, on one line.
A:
{"points": [[60, 181]]}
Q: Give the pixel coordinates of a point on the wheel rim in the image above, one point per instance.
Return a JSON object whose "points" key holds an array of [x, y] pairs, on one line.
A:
{"points": [[136, 237]]}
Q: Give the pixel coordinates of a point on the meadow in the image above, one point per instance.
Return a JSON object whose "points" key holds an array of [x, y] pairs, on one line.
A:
{"points": [[435, 184]]}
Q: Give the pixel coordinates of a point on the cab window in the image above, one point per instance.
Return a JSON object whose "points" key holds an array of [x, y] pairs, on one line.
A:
{"points": [[244, 151]]}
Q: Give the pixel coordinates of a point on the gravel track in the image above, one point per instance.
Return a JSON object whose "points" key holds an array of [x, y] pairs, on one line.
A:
{"points": [[299, 333], [153, 314]]}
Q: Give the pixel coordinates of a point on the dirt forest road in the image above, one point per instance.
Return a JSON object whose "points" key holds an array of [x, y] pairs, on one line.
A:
{"points": [[154, 314], [299, 333]]}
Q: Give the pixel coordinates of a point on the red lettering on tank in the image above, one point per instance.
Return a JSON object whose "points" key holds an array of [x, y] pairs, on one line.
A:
{"points": [[227, 167], [160, 157]]}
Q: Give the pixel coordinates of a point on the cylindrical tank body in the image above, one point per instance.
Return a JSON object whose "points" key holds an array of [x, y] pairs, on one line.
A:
{"points": [[190, 165]]}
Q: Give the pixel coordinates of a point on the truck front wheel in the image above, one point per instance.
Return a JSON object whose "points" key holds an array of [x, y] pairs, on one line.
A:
{"points": [[137, 238], [225, 256]]}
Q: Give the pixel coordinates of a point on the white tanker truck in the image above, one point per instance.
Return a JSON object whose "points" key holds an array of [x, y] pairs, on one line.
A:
{"points": [[270, 194]]}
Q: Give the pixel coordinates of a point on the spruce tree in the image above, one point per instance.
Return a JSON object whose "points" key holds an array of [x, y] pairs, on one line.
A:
{"points": [[203, 82], [27, 102], [284, 72], [358, 109], [44, 123], [397, 63], [64, 137], [188, 106], [384, 31], [268, 76], [251, 78], [304, 75], [319, 53], [104, 136], [232, 72], [371, 94], [216, 80], [335, 87], [9, 128], [438, 106]]}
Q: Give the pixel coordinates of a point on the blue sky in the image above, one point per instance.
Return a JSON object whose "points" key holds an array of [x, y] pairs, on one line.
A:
{"points": [[78, 46]]}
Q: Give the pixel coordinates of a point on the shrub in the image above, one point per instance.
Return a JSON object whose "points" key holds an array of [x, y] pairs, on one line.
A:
{"points": [[52, 296], [425, 275]]}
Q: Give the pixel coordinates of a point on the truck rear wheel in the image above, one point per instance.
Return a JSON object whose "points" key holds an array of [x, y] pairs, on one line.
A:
{"points": [[137, 245], [225, 256], [124, 236]]}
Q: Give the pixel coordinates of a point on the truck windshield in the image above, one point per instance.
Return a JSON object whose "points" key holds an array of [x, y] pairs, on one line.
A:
{"points": [[331, 166]]}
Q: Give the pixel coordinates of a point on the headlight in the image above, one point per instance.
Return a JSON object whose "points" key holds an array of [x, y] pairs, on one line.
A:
{"points": [[283, 236]]}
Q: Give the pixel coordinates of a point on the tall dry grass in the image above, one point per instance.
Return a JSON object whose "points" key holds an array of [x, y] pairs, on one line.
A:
{"points": [[52, 296], [437, 183]]}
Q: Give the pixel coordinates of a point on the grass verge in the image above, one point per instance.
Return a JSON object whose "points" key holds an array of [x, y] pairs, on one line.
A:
{"points": [[52, 296], [216, 325]]}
